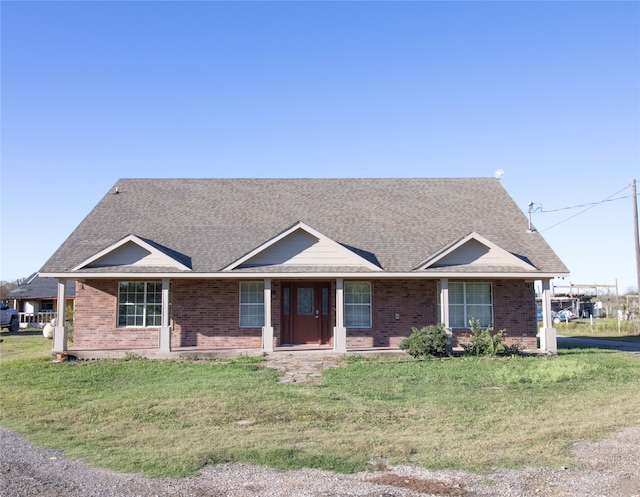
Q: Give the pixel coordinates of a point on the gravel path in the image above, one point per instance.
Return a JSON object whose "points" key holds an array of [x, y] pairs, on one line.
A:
{"points": [[609, 467]]}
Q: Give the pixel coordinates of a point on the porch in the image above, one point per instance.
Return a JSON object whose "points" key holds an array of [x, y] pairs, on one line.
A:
{"points": [[209, 320], [196, 353]]}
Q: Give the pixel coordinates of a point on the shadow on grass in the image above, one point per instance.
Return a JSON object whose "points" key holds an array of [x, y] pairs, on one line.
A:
{"points": [[613, 338], [600, 343], [21, 333]]}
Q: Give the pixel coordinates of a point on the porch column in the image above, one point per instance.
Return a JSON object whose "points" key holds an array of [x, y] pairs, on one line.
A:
{"points": [[60, 330], [548, 341], [340, 331], [444, 310], [267, 329], [164, 341], [444, 302]]}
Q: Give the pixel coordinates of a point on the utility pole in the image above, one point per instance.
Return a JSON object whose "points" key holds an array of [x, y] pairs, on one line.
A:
{"points": [[635, 232]]}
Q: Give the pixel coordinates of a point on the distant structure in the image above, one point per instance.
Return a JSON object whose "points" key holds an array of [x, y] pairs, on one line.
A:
{"points": [[36, 300]]}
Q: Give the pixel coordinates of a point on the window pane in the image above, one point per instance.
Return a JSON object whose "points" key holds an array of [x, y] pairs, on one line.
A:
{"points": [[357, 308], [325, 301], [456, 317], [285, 300], [251, 304], [252, 316], [154, 315], [480, 313], [478, 293], [350, 318], [251, 292], [357, 292], [456, 293], [357, 316], [122, 315]]}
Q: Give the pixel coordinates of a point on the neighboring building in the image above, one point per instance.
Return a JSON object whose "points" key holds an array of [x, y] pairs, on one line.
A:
{"points": [[202, 264], [37, 300]]}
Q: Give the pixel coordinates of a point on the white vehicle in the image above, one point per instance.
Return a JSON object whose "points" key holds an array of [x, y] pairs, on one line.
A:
{"points": [[9, 318]]}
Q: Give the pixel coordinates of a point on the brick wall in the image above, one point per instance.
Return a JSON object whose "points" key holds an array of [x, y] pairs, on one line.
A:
{"points": [[514, 306], [205, 314], [96, 317], [514, 311], [415, 301]]}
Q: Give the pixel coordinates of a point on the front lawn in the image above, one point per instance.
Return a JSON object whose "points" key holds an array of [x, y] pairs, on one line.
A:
{"points": [[603, 328], [173, 417]]}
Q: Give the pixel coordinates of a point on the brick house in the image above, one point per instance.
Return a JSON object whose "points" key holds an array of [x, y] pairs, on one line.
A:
{"points": [[166, 265]]}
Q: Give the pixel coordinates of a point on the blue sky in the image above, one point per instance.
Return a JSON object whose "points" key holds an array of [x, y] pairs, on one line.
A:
{"points": [[549, 92]]}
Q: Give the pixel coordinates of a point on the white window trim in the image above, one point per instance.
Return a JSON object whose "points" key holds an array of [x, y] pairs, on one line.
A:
{"points": [[346, 325], [465, 305], [144, 307], [241, 304]]}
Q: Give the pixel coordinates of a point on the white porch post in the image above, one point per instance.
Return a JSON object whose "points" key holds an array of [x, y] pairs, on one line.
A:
{"points": [[444, 309], [340, 331], [267, 329], [60, 330], [164, 342], [444, 302], [548, 341]]}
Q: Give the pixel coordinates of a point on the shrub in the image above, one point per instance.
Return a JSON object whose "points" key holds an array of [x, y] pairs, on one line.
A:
{"points": [[483, 343], [69, 322], [432, 340]]}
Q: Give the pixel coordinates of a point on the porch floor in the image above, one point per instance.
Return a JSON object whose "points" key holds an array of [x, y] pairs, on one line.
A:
{"points": [[198, 353], [317, 351]]}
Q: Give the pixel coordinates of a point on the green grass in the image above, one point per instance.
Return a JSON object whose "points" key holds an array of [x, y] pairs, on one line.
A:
{"points": [[170, 418], [28, 344], [603, 328]]}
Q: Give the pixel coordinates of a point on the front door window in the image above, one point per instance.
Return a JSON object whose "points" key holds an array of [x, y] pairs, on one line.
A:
{"points": [[305, 302]]}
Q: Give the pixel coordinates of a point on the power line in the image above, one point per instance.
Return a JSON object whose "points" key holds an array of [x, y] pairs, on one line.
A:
{"points": [[584, 205], [588, 207]]}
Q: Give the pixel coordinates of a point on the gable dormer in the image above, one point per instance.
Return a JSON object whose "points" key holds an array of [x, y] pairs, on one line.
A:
{"points": [[131, 251], [302, 246], [475, 251]]}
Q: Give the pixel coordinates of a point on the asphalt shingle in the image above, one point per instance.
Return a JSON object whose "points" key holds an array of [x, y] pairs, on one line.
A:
{"points": [[398, 222]]}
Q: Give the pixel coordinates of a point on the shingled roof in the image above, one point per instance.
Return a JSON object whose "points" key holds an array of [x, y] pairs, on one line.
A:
{"points": [[396, 224], [36, 287]]}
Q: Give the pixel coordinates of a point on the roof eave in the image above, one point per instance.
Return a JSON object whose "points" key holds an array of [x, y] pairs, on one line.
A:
{"points": [[315, 275]]}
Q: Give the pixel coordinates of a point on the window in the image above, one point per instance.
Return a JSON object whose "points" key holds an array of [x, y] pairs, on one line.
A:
{"points": [[469, 301], [357, 304], [251, 304], [46, 306], [286, 300], [139, 303]]}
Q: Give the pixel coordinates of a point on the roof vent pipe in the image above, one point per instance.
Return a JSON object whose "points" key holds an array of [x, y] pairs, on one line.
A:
{"points": [[531, 209]]}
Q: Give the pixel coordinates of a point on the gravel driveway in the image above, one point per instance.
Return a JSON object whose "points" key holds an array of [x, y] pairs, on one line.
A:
{"points": [[609, 467]]}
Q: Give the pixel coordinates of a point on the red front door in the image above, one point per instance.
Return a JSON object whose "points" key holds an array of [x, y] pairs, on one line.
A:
{"points": [[306, 313]]}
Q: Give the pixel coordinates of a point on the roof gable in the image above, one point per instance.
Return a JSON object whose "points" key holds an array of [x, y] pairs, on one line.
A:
{"points": [[474, 250], [131, 251], [302, 246]]}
